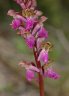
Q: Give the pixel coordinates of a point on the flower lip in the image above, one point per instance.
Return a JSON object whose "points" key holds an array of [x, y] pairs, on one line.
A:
{"points": [[16, 23], [51, 74], [29, 75], [42, 33], [30, 23], [30, 41]]}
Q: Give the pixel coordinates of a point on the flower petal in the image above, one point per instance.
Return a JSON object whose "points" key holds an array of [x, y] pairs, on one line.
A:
{"points": [[11, 13], [34, 68], [43, 56], [39, 42], [51, 74], [37, 28], [42, 33], [29, 66], [29, 75], [34, 3], [30, 41], [29, 23], [43, 19], [16, 23], [38, 13]]}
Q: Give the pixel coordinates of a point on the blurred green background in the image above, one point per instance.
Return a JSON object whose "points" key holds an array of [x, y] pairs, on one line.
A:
{"points": [[13, 50]]}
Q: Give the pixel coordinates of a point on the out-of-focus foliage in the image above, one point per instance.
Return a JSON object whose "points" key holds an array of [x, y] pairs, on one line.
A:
{"points": [[13, 49]]}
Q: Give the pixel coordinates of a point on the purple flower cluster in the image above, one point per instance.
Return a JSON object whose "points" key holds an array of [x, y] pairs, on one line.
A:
{"points": [[29, 24]]}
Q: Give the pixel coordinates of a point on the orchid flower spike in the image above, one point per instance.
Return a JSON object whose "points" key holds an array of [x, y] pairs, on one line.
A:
{"points": [[29, 24]]}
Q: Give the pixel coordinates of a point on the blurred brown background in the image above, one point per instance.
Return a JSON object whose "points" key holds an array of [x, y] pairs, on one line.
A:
{"points": [[13, 50]]}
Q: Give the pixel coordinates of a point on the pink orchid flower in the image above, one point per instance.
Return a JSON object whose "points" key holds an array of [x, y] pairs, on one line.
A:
{"points": [[43, 56], [51, 74]]}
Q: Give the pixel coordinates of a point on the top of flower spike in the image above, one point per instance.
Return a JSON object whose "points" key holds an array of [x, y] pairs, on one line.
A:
{"points": [[25, 4]]}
